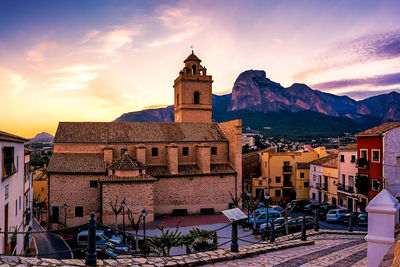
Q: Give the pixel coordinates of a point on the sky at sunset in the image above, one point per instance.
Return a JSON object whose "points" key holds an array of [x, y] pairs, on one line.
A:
{"points": [[95, 60]]}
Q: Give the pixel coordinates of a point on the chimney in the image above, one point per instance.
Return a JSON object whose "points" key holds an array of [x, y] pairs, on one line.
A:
{"points": [[203, 157], [172, 158], [108, 154], [141, 153]]}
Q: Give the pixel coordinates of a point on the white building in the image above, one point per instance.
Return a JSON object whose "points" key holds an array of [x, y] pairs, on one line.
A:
{"points": [[316, 172], [391, 159], [15, 191], [347, 169]]}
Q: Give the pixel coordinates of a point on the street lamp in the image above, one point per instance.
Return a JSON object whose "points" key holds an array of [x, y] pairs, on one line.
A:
{"points": [[65, 219], [144, 214], [266, 196], [248, 209], [123, 220]]}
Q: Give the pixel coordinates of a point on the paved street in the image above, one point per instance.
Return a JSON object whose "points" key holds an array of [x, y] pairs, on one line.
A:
{"points": [[50, 245], [329, 250]]}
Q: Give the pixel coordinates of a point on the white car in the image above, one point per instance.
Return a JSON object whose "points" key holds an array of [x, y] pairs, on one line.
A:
{"points": [[335, 215], [102, 238]]}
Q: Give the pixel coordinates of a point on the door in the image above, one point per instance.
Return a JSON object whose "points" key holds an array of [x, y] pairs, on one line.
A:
{"points": [[334, 201], [350, 204], [55, 213], [319, 197], [5, 228]]}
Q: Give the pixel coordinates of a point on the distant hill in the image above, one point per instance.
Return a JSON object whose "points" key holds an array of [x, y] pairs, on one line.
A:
{"points": [[297, 110], [42, 137]]}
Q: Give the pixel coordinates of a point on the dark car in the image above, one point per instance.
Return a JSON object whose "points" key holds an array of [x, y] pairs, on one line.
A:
{"points": [[294, 225], [346, 217], [362, 219], [311, 208], [299, 204], [324, 209]]}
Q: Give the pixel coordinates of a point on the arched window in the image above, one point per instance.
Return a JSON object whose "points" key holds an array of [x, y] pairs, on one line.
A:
{"points": [[194, 69], [177, 99], [196, 98]]}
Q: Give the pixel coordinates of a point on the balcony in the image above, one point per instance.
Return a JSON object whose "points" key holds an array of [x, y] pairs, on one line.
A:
{"points": [[287, 184], [322, 186], [287, 169], [362, 163], [345, 188]]}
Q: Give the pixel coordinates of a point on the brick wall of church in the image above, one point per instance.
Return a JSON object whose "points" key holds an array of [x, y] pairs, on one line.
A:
{"points": [[138, 196], [75, 191], [193, 193]]}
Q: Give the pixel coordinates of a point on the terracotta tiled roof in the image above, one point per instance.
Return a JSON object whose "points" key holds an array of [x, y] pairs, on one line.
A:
{"points": [[303, 165], [349, 147], [192, 57], [190, 169], [4, 136], [76, 163], [126, 163], [379, 130], [137, 132], [322, 161], [140, 178]]}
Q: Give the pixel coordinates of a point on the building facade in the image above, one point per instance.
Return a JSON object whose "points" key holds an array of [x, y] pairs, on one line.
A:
{"points": [[347, 193], [185, 166], [15, 192]]}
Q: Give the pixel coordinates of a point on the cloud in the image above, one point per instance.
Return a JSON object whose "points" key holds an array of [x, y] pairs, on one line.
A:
{"points": [[36, 54], [380, 80], [362, 94], [74, 77], [15, 81], [367, 48]]}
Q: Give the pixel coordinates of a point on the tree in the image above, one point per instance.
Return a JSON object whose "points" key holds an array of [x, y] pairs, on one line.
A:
{"points": [[116, 208], [252, 205], [286, 212], [135, 226]]}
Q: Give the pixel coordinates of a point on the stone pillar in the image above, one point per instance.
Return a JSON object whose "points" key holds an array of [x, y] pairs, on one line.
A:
{"points": [[172, 158], [203, 157], [108, 154], [141, 153], [381, 222]]}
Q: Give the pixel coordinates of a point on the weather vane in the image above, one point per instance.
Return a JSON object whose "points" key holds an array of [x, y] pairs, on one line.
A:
{"points": [[192, 47]]}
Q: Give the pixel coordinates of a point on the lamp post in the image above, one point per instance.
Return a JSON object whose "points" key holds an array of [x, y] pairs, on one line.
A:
{"points": [[248, 209], [123, 220], [65, 219], [266, 196], [144, 214]]}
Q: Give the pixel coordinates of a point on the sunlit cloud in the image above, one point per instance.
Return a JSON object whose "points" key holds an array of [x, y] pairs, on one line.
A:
{"points": [[37, 53], [12, 80]]}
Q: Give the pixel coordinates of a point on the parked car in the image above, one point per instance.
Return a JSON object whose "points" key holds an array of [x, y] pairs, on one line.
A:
{"points": [[278, 208], [102, 238], [362, 219], [311, 208], [299, 204], [324, 209], [335, 215], [262, 218], [346, 217], [277, 222], [294, 225]]}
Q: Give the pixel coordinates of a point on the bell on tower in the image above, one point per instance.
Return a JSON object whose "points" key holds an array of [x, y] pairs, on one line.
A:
{"points": [[193, 92]]}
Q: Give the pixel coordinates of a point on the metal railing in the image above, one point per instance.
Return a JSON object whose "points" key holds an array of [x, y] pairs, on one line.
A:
{"points": [[345, 188], [287, 169]]}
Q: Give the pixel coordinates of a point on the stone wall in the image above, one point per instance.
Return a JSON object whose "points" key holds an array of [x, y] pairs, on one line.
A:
{"points": [[193, 193], [138, 196], [74, 190]]}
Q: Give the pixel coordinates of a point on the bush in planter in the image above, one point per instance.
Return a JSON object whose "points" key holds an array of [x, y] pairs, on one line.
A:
{"points": [[199, 240]]}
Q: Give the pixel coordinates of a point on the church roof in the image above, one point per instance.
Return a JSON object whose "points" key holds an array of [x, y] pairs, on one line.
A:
{"points": [[126, 163], [192, 57], [143, 177], [137, 132], [76, 163], [189, 170]]}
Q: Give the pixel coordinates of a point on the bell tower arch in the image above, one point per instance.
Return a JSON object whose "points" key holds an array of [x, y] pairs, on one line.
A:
{"points": [[193, 92]]}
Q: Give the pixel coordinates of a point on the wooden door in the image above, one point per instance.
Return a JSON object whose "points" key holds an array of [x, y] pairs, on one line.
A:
{"points": [[5, 228]]}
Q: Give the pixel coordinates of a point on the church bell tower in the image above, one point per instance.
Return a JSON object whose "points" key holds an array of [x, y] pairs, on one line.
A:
{"points": [[193, 92]]}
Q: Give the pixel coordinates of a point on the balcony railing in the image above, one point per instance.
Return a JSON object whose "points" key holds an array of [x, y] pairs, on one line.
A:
{"points": [[287, 169], [362, 163], [345, 188], [322, 186], [287, 184]]}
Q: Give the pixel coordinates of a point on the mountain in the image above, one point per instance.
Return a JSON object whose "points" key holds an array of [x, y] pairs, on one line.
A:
{"points": [[261, 103], [43, 137]]}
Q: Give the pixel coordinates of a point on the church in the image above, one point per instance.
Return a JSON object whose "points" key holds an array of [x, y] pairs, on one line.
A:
{"points": [[188, 166]]}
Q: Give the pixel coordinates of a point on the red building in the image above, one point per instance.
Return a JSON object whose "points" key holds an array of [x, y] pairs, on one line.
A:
{"points": [[370, 159]]}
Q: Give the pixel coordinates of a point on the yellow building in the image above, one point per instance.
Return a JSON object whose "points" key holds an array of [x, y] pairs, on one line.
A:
{"points": [[40, 177], [284, 175]]}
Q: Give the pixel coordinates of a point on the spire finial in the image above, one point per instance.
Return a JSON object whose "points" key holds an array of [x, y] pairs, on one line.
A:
{"points": [[192, 48]]}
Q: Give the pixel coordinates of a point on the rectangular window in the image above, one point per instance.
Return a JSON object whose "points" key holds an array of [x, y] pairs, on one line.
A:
{"points": [[19, 202], [16, 207], [185, 151], [302, 175], [375, 156], [154, 152], [277, 179], [277, 193], [214, 150], [314, 177], [8, 162], [375, 184], [306, 184], [313, 196], [93, 183], [363, 154], [353, 158], [79, 211], [341, 158]]}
